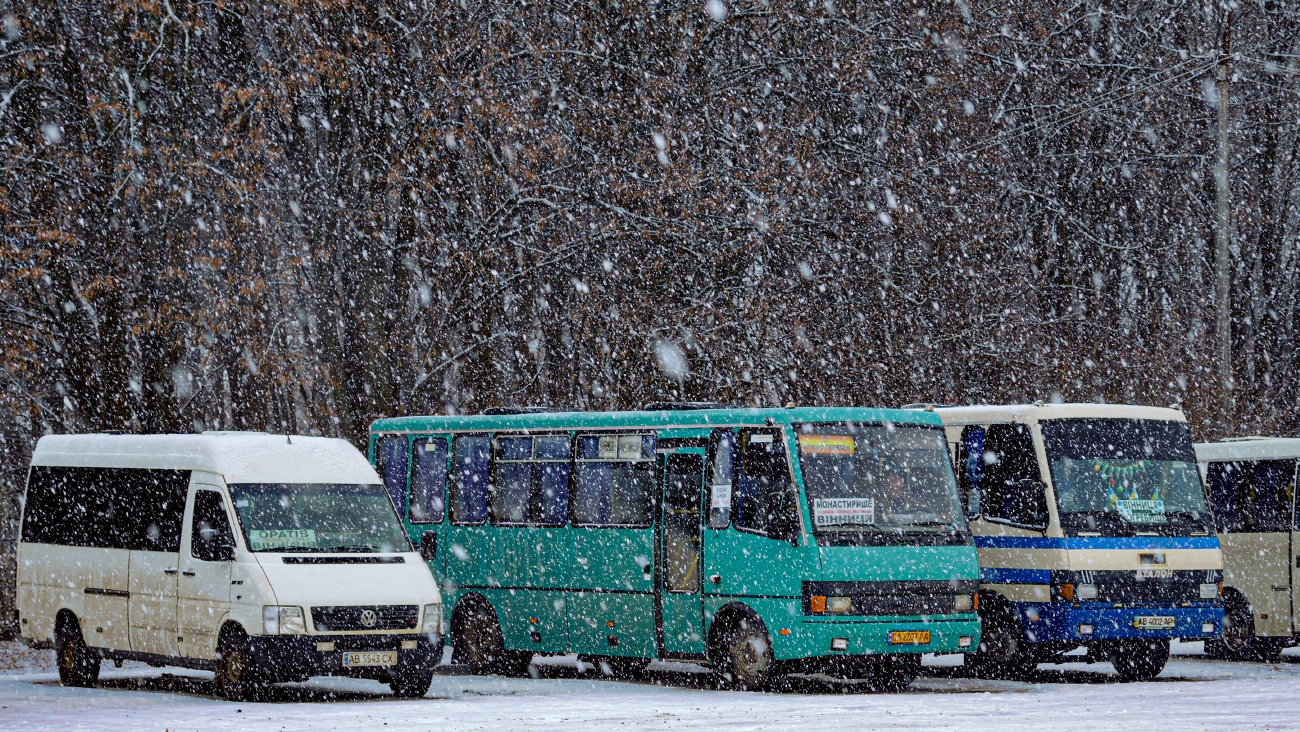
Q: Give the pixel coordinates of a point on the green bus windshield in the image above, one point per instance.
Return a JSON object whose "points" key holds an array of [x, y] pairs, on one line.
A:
{"points": [[869, 477]]}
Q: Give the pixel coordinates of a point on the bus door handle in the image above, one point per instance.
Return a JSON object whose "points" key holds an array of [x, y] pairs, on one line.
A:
{"points": [[188, 573], [715, 579], [1281, 588], [169, 570]]}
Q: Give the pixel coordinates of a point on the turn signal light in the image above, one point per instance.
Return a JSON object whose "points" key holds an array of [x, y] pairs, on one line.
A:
{"points": [[1066, 591], [817, 603]]}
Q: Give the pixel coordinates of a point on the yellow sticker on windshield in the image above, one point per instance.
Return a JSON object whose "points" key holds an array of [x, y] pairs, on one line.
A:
{"points": [[826, 444]]}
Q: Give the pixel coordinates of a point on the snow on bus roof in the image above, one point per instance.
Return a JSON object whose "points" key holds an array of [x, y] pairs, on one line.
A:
{"points": [[1034, 412], [241, 457], [1248, 448]]}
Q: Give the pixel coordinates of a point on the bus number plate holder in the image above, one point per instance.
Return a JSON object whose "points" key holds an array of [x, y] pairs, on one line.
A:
{"points": [[909, 637], [369, 658], [1155, 622]]}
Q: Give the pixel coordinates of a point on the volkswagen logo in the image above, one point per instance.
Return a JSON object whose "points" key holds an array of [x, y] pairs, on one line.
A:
{"points": [[369, 618]]}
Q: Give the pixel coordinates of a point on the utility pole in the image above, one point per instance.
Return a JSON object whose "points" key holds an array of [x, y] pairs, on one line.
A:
{"points": [[1223, 233]]}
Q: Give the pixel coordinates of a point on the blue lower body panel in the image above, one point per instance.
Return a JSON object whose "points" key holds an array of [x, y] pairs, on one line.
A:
{"points": [[1060, 621]]}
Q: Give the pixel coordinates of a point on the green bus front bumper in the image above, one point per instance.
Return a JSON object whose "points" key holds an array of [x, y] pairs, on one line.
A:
{"points": [[821, 637]]}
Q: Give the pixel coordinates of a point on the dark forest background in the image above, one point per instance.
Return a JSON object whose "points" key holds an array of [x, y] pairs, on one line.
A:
{"points": [[304, 215]]}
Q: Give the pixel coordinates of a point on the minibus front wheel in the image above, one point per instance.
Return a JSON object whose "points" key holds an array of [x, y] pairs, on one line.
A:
{"points": [[411, 683], [236, 673]]}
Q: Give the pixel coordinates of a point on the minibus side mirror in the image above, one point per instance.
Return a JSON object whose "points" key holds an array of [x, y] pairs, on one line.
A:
{"points": [[429, 545], [225, 553]]}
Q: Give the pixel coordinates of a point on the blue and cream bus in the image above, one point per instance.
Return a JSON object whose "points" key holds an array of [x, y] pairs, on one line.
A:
{"points": [[1093, 530], [755, 541]]}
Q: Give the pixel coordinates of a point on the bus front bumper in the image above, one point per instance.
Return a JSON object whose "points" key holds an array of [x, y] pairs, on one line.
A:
{"points": [[831, 637], [1058, 621]]}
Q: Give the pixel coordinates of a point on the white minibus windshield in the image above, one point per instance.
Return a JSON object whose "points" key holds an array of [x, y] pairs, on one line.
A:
{"points": [[318, 518]]}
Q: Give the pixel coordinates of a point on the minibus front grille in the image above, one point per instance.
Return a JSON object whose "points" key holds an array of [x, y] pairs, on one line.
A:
{"points": [[340, 618]]}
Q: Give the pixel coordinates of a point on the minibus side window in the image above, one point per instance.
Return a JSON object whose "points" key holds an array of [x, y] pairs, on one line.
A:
{"points": [[106, 508], [764, 496], [393, 469], [1011, 482], [428, 480], [1274, 487], [211, 539], [471, 458], [722, 450]]}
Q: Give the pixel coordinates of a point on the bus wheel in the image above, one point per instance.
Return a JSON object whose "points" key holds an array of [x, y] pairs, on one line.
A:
{"points": [[236, 679], [895, 673], [1238, 631], [411, 683], [78, 665], [1140, 660], [480, 644], [1002, 650], [745, 656], [618, 667]]}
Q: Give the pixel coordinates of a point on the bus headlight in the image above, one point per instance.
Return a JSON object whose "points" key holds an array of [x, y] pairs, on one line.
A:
{"points": [[432, 620], [1086, 592], [963, 604], [283, 620], [1209, 590], [839, 605]]}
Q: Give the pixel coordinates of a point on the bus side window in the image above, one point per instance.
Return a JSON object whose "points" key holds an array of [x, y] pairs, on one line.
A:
{"points": [[428, 480], [530, 481], [471, 458], [1011, 482], [723, 449], [971, 468], [392, 459], [1273, 490], [764, 501], [613, 482]]}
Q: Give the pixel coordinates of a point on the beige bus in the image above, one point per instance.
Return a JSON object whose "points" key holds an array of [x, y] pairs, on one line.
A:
{"points": [[1092, 529], [1251, 484]]}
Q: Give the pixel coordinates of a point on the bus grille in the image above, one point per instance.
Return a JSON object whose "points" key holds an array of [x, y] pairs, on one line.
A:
{"points": [[337, 618]]}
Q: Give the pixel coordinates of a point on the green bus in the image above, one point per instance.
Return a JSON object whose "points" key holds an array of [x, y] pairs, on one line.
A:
{"points": [[758, 542]]}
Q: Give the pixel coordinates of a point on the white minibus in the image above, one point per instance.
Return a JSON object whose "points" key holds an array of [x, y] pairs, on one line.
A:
{"points": [[1251, 484], [263, 558]]}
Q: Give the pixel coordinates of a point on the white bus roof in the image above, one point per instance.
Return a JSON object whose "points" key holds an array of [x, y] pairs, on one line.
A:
{"points": [[1248, 448], [1030, 413], [241, 457]]}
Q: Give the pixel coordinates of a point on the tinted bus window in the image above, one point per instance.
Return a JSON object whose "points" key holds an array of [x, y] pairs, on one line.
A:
{"points": [[1252, 497], [392, 466], [106, 508], [471, 458], [428, 481], [724, 447], [763, 486], [530, 483], [614, 480]]}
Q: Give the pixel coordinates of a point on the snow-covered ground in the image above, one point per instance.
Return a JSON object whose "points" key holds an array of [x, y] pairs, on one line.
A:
{"points": [[1192, 694]]}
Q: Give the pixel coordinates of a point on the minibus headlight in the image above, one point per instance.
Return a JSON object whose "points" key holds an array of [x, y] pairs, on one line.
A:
{"points": [[963, 604], [839, 605], [1086, 592], [283, 620], [1209, 590], [432, 620]]}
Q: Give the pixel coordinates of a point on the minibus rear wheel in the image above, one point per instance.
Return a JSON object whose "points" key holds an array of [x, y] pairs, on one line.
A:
{"points": [[78, 665]]}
